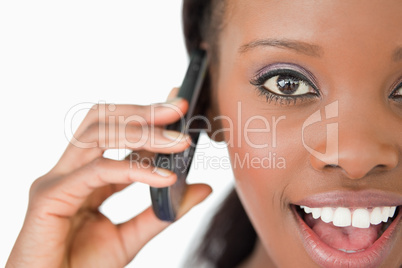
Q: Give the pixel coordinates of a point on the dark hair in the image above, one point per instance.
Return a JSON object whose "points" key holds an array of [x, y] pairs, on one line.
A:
{"points": [[202, 21], [230, 237]]}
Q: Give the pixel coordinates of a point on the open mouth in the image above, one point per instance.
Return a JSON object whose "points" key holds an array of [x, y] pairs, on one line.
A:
{"points": [[348, 230], [348, 237]]}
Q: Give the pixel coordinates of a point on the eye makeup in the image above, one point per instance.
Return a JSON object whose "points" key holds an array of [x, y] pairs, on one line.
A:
{"points": [[280, 82], [288, 75], [396, 93]]}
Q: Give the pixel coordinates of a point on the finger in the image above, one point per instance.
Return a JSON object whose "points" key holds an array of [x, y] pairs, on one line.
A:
{"points": [[98, 138], [195, 193], [173, 93], [146, 154], [141, 158], [66, 194], [138, 231], [144, 137], [155, 114]]}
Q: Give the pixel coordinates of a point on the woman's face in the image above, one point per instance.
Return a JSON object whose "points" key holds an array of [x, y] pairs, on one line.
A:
{"points": [[309, 99]]}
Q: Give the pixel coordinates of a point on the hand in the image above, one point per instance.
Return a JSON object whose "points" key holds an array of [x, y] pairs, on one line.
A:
{"points": [[63, 226]]}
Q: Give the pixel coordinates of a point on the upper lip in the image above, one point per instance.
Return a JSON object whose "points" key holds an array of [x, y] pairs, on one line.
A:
{"points": [[352, 199]]}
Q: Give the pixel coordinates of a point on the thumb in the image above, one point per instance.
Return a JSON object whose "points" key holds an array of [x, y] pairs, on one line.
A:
{"points": [[138, 231], [195, 194]]}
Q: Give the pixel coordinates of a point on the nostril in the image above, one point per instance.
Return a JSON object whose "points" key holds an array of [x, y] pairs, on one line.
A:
{"points": [[330, 166], [381, 166]]}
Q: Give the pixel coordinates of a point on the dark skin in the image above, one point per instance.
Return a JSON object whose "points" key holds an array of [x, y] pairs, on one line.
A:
{"points": [[353, 59], [63, 226], [352, 54]]}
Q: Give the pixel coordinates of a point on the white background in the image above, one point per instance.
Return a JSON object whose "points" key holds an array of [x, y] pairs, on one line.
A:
{"points": [[57, 54]]}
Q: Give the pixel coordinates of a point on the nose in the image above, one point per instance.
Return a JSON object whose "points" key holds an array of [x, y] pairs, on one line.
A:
{"points": [[364, 144]]}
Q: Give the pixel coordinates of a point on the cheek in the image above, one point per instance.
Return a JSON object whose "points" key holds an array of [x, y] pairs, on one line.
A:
{"points": [[262, 176], [267, 153]]}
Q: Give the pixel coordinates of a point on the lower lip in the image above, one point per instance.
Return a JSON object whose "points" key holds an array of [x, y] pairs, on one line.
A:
{"points": [[329, 257]]}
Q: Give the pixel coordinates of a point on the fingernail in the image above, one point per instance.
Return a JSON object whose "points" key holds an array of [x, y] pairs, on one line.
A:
{"points": [[174, 135], [163, 172], [174, 101]]}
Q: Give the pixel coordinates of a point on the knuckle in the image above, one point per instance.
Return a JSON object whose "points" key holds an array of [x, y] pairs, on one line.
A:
{"points": [[136, 136], [91, 133], [144, 111], [95, 107], [38, 188], [97, 165], [35, 186], [93, 127], [93, 114]]}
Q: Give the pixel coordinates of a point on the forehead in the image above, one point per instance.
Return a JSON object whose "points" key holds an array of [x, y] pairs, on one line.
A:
{"points": [[339, 24]]}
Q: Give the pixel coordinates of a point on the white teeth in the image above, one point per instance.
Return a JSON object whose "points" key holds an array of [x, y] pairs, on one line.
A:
{"points": [[376, 216], [316, 212], [307, 210], [392, 211], [327, 214], [350, 251], [347, 251], [344, 217], [385, 213], [361, 218]]}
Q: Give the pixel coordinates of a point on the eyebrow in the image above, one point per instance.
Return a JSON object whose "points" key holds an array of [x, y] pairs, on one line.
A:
{"points": [[298, 46]]}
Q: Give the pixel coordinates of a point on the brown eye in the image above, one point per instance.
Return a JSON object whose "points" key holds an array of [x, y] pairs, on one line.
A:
{"points": [[287, 85], [397, 93]]}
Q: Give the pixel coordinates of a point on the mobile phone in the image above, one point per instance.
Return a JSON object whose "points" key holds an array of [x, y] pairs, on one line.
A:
{"points": [[166, 200]]}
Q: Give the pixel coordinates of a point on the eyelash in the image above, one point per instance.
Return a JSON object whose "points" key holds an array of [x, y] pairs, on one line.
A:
{"points": [[260, 80], [397, 98]]}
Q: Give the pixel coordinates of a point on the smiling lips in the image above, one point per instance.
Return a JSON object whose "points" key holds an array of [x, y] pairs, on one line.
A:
{"points": [[356, 230], [348, 230]]}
